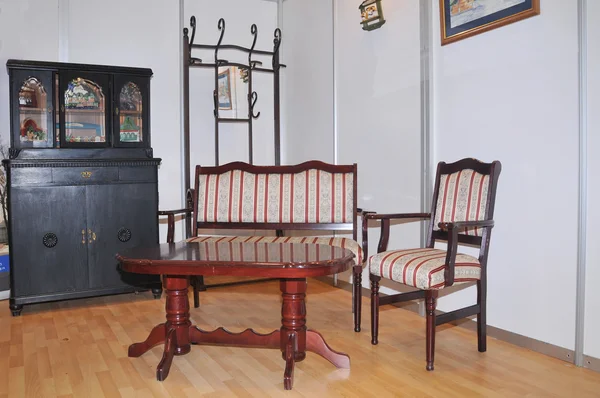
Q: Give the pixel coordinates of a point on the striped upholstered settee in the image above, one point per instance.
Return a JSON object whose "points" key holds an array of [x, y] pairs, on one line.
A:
{"points": [[313, 197]]}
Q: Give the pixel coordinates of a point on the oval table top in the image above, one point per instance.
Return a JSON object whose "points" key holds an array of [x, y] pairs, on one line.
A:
{"points": [[275, 260]]}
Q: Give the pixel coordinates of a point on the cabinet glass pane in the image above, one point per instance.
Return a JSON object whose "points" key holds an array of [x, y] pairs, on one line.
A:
{"points": [[130, 113], [34, 114], [84, 112]]}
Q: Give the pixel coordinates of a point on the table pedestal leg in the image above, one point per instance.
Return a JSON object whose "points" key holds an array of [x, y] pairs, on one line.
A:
{"points": [[293, 316], [292, 338], [175, 332]]}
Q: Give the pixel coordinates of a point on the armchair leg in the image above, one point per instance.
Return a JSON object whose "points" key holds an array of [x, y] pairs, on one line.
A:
{"points": [[197, 283], [430, 304], [481, 317], [374, 308], [357, 296]]}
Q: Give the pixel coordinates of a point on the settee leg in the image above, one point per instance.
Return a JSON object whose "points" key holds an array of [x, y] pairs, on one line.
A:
{"points": [[357, 296]]}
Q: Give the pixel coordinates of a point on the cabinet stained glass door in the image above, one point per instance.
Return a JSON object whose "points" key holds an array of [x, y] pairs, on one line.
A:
{"points": [[33, 118], [84, 100], [131, 124]]}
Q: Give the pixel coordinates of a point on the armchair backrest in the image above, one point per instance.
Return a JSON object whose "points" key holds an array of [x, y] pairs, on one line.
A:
{"points": [[311, 196], [464, 191]]}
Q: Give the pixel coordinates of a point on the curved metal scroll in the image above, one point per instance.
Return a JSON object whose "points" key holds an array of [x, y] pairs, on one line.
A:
{"points": [[254, 31], [253, 99], [221, 27], [276, 44], [191, 59], [193, 25]]}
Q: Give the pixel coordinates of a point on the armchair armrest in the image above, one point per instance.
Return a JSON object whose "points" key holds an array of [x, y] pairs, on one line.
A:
{"points": [[396, 216], [365, 231], [447, 226], [385, 225], [453, 228]]}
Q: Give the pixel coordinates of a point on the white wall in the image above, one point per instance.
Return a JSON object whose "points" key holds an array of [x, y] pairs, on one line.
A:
{"points": [[126, 41], [512, 94], [379, 121], [308, 81], [378, 102], [239, 15], [592, 297], [35, 40]]}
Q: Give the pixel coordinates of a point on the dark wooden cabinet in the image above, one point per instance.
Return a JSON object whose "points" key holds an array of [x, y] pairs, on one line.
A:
{"points": [[81, 180]]}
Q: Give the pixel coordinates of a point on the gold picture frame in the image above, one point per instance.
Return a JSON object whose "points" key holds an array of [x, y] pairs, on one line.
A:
{"points": [[460, 19]]}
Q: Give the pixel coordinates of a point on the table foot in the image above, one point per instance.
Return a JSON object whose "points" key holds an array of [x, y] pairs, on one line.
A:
{"points": [[156, 337], [162, 370], [316, 343], [222, 336], [290, 352]]}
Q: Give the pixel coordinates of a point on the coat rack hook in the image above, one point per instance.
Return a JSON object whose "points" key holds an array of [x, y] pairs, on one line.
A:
{"points": [[221, 26], [253, 99], [254, 31], [193, 25], [276, 44]]}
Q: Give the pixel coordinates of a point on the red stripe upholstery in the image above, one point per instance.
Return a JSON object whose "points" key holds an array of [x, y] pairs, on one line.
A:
{"points": [[463, 197], [312, 196], [345, 243], [423, 268], [234, 251]]}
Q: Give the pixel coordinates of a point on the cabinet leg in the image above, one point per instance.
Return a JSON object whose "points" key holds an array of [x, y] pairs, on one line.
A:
{"points": [[157, 292], [16, 309]]}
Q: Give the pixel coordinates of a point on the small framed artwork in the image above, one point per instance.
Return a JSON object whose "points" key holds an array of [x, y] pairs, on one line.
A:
{"points": [[224, 94], [460, 19]]}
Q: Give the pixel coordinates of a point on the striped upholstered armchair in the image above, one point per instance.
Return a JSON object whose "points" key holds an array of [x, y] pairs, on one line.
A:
{"points": [[462, 213], [312, 196]]}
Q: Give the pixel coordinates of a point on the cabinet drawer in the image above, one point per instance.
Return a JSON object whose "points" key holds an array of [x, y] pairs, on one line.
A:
{"points": [[30, 176], [138, 174], [84, 175]]}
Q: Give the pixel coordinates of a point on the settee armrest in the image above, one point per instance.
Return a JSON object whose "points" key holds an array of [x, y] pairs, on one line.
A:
{"points": [[171, 221]]}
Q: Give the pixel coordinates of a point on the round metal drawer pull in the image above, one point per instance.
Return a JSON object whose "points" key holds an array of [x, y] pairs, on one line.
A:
{"points": [[50, 240], [124, 234]]}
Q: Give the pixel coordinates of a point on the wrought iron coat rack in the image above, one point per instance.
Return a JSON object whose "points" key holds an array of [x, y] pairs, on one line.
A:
{"points": [[252, 66]]}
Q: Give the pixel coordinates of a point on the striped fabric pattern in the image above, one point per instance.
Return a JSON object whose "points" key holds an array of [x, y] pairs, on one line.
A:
{"points": [[261, 252], [312, 196], [423, 268], [344, 243], [462, 197]]}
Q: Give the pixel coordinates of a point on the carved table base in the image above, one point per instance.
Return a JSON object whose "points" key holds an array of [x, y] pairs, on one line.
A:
{"points": [[293, 339]]}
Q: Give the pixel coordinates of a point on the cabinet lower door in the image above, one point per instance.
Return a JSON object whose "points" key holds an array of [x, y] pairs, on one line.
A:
{"points": [[119, 217], [49, 244]]}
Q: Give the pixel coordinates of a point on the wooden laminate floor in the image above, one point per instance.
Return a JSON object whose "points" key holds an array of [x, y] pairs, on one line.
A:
{"points": [[78, 348]]}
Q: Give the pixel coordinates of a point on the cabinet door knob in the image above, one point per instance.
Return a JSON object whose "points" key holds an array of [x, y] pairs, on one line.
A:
{"points": [[83, 236], [50, 240], [86, 174], [117, 111], [62, 108], [124, 234]]}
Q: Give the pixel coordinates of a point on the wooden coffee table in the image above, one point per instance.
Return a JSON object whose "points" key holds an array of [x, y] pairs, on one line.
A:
{"points": [[292, 263]]}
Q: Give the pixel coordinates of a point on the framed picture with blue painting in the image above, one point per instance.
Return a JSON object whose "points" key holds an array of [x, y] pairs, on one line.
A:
{"points": [[460, 19], [224, 93]]}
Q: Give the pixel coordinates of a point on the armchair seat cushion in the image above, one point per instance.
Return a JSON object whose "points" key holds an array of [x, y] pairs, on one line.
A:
{"points": [[345, 243], [423, 268]]}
